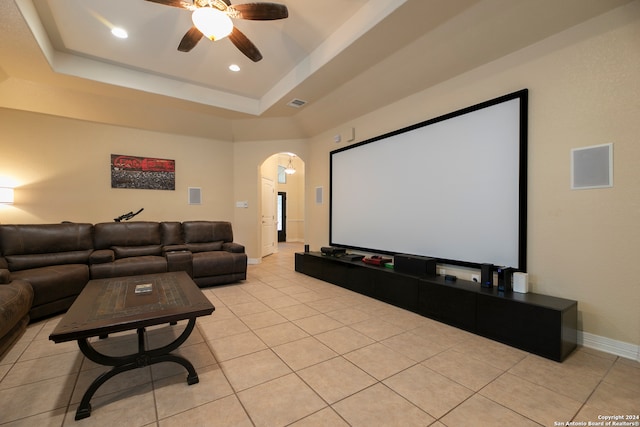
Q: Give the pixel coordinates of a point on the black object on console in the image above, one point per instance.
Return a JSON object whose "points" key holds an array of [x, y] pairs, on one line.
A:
{"points": [[505, 278], [414, 264], [486, 275]]}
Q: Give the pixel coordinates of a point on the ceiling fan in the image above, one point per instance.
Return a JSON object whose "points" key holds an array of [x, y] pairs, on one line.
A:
{"points": [[212, 19]]}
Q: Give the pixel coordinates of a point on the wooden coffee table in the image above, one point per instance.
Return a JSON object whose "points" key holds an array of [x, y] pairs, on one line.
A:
{"points": [[107, 306]]}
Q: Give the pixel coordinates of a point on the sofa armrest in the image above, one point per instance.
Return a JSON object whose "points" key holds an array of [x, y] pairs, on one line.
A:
{"points": [[233, 247], [4, 276], [101, 256]]}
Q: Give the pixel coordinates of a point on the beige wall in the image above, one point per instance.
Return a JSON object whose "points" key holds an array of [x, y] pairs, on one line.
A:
{"points": [[583, 245], [584, 90], [62, 169]]}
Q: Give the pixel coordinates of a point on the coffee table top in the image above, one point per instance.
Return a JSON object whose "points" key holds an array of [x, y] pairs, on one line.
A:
{"points": [[106, 306]]}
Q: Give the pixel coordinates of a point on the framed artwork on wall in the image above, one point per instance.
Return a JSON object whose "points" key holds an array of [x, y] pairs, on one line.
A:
{"points": [[142, 173]]}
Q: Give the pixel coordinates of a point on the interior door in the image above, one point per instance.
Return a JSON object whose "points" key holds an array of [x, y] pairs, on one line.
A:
{"points": [[269, 232], [282, 216]]}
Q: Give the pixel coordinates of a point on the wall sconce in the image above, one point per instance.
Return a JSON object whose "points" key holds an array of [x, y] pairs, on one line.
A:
{"points": [[6, 195]]}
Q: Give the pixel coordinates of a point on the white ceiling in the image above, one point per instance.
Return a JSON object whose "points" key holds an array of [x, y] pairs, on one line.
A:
{"points": [[344, 57]]}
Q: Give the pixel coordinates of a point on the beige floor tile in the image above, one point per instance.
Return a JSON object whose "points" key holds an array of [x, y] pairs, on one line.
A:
{"points": [[199, 355], [336, 379], [577, 384], [263, 319], [348, 315], [327, 304], [318, 324], [377, 328], [236, 345], [377, 406], [379, 361], [281, 302], [479, 411], [446, 336], [297, 311], [131, 407], [213, 385], [280, 402], [471, 373], [35, 370], [253, 369], [428, 390], [613, 399], [294, 290], [413, 346], [280, 334], [35, 398], [247, 308], [304, 352], [531, 400], [53, 418], [43, 348], [224, 412], [118, 383], [344, 340], [588, 363], [491, 352], [222, 328], [324, 418], [626, 374]]}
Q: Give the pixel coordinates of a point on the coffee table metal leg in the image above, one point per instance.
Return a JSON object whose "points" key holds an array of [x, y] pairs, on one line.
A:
{"points": [[138, 360]]}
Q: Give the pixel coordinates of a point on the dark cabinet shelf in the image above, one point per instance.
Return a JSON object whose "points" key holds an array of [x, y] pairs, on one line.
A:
{"points": [[540, 324]]}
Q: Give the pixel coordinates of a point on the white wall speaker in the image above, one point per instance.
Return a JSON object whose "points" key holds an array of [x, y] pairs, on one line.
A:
{"points": [[195, 196], [592, 167], [319, 195], [520, 282]]}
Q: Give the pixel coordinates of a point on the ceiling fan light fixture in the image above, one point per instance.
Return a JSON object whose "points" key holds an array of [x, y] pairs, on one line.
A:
{"points": [[213, 23]]}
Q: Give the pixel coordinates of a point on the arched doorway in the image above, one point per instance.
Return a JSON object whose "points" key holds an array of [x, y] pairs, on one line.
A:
{"points": [[282, 196]]}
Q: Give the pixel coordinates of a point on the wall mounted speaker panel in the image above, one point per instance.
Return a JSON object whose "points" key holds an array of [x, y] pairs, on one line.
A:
{"points": [[592, 167], [319, 195], [195, 196]]}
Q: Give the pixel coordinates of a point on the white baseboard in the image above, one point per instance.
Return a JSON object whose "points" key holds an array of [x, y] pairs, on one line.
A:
{"points": [[608, 345]]}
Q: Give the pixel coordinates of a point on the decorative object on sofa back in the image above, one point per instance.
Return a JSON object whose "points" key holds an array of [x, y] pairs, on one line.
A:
{"points": [[127, 216]]}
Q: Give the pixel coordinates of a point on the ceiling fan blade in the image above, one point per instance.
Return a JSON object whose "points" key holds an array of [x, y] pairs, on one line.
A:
{"points": [[258, 11], [245, 45], [174, 3], [190, 40]]}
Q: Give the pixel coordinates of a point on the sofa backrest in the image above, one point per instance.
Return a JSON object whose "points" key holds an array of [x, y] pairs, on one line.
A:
{"points": [[207, 231], [38, 245], [136, 238]]}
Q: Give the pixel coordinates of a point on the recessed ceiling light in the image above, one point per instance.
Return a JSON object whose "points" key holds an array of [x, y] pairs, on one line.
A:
{"points": [[234, 67], [121, 33]]}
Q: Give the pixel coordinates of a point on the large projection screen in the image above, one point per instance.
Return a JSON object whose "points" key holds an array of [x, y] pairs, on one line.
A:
{"points": [[452, 188]]}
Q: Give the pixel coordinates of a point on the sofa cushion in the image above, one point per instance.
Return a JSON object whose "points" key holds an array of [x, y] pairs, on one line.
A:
{"points": [[24, 262], [130, 266], [218, 263], [204, 247], [15, 302], [133, 251], [45, 238], [207, 231], [171, 233], [54, 282], [137, 233]]}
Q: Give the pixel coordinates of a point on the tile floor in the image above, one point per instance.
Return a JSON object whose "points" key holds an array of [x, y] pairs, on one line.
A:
{"points": [[284, 349]]}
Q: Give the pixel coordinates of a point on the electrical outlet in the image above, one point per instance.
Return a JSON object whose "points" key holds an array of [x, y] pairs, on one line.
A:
{"points": [[475, 278], [442, 271]]}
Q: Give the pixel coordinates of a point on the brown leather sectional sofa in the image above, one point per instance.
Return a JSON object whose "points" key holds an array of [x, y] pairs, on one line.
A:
{"points": [[43, 267]]}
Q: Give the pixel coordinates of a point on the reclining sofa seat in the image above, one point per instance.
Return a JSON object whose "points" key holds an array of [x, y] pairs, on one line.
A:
{"points": [[127, 249], [52, 258], [216, 259]]}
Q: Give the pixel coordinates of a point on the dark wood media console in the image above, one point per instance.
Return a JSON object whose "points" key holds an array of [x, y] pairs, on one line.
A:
{"points": [[539, 324]]}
